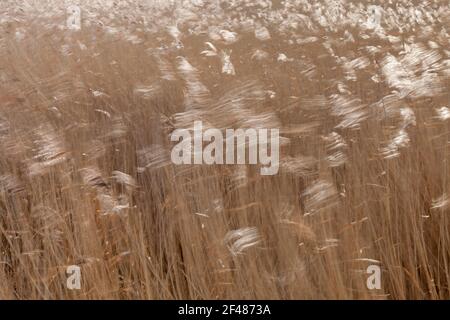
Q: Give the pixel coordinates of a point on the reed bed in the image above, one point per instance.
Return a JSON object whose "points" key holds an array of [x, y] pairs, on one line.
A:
{"points": [[358, 90]]}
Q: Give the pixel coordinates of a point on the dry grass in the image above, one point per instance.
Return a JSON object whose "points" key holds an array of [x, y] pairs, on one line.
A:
{"points": [[86, 178]]}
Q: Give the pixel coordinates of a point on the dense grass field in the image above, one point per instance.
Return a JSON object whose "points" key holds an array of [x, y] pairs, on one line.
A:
{"points": [[358, 90]]}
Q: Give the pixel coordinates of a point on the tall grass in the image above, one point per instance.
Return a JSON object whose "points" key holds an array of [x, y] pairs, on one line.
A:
{"points": [[86, 177]]}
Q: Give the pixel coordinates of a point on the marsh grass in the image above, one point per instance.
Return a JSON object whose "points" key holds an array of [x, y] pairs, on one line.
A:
{"points": [[86, 177]]}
